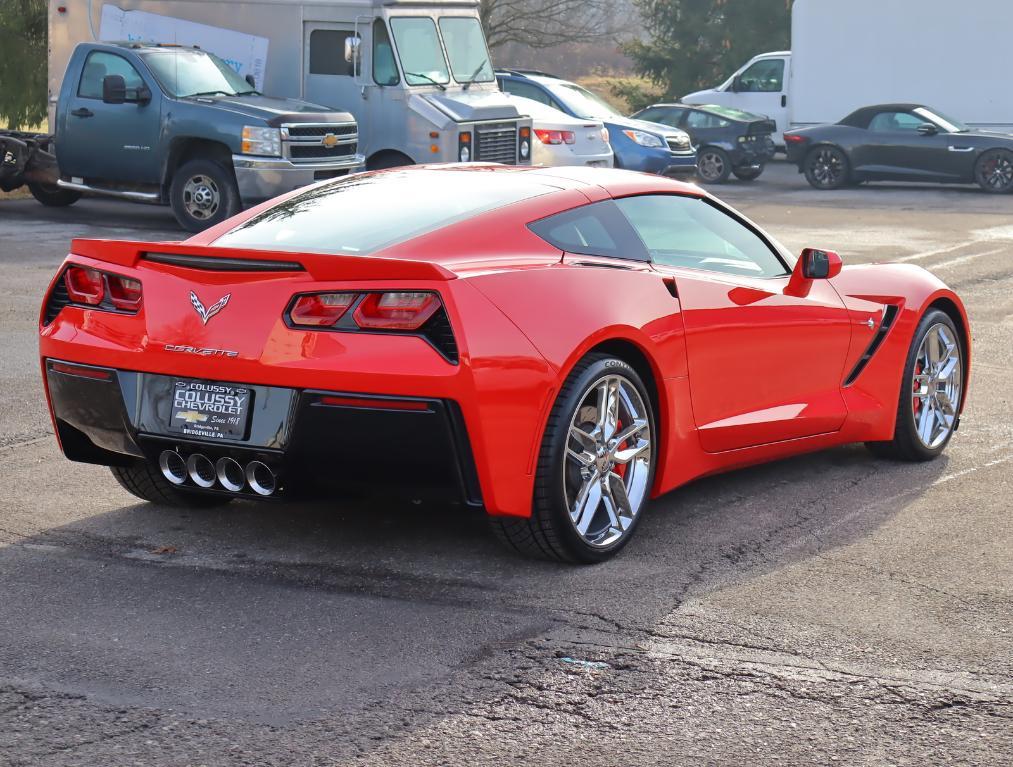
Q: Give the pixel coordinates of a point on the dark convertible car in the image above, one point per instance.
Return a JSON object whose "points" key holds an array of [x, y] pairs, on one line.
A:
{"points": [[728, 140], [901, 142]]}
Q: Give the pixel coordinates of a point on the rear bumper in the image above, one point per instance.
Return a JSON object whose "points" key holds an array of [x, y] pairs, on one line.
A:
{"points": [[261, 178], [313, 440]]}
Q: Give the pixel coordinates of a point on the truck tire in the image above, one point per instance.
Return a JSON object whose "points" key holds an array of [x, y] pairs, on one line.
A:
{"points": [[203, 193], [52, 196]]}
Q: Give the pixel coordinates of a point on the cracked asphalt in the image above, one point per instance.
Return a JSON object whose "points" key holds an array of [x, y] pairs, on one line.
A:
{"points": [[828, 609]]}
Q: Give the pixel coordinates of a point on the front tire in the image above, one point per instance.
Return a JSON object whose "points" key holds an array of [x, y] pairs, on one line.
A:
{"points": [[595, 467], [203, 193], [145, 481], [930, 394], [994, 171], [53, 196], [827, 167], [713, 165]]}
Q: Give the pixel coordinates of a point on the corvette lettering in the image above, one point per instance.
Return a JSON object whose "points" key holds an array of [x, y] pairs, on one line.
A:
{"points": [[200, 351]]}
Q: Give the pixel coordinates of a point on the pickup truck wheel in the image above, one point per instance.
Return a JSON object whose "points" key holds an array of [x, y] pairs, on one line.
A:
{"points": [[203, 193], [52, 196]]}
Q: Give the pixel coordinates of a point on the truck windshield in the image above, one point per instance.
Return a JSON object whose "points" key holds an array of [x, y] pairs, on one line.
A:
{"points": [[184, 72], [469, 58], [583, 103], [418, 45]]}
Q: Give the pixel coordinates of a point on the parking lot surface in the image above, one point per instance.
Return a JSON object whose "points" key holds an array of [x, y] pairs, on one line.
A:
{"points": [[832, 608]]}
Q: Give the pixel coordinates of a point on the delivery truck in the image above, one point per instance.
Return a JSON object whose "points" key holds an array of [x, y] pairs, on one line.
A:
{"points": [[847, 54]]}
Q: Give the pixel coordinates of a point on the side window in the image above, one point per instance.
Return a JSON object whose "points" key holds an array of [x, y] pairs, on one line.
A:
{"points": [[663, 115], [598, 229], [98, 65], [887, 122], [691, 232], [704, 120], [528, 91], [765, 76], [384, 64], [327, 52]]}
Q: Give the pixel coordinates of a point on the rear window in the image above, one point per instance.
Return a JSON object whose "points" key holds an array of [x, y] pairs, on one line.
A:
{"points": [[359, 215]]}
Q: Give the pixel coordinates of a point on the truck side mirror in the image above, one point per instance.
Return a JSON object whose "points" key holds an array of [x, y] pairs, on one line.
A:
{"points": [[736, 83], [250, 81], [114, 89], [353, 43]]}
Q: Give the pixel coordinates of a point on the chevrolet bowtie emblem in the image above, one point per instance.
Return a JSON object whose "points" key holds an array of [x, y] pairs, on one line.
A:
{"points": [[330, 141], [191, 416]]}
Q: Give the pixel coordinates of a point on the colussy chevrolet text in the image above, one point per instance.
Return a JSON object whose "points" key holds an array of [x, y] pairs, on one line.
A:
{"points": [[555, 346]]}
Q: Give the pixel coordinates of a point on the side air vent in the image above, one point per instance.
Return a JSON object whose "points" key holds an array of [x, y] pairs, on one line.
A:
{"points": [[214, 264], [57, 300], [439, 333], [889, 315]]}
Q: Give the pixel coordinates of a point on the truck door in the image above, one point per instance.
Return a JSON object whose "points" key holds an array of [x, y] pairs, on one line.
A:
{"points": [[762, 88], [329, 79], [109, 142]]}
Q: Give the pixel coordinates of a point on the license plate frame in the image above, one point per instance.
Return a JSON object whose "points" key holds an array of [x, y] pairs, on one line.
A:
{"points": [[210, 410]]}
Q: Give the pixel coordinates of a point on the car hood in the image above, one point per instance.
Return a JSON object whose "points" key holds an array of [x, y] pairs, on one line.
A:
{"points": [[628, 123], [988, 134], [468, 106], [273, 111]]}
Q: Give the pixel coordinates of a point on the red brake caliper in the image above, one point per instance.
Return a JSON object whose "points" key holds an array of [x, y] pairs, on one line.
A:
{"points": [[620, 468], [916, 387]]}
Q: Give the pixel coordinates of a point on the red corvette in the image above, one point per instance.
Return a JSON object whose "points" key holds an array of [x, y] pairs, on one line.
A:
{"points": [[554, 345]]}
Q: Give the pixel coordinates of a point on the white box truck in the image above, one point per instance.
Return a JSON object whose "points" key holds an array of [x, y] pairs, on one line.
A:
{"points": [[415, 74], [847, 54]]}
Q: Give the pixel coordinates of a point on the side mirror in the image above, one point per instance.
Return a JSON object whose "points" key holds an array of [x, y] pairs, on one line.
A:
{"points": [[928, 129], [250, 81], [736, 83], [353, 44], [114, 89], [819, 264]]}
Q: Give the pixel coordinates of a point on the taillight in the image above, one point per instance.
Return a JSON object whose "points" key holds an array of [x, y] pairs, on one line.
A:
{"points": [[794, 138], [605, 135], [84, 286], [124, 293], [320, 309], [555, 136], [396, 311]]}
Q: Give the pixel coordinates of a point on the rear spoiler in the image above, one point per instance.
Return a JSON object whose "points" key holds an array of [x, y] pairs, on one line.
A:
{"points": [[320, 266]]}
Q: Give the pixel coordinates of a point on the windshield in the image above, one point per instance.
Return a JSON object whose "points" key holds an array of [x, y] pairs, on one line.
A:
{"points": [[469, 59], [946, 123], [184, 72], [583, 103], [418, 45]]}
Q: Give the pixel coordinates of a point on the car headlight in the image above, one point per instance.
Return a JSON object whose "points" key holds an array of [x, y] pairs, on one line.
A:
{"points": [[644, 139], [262, 141]]}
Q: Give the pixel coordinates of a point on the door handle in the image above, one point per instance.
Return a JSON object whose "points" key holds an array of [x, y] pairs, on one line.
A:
{"points": [[784, 100], [952, 148], [82, 112]]}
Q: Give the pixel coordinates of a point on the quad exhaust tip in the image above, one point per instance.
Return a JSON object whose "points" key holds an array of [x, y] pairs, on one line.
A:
{"points": [[227, 473]]}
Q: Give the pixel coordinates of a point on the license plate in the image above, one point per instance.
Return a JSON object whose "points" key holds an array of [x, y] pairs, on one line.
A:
{"points": [[209, 410], [596, 163]]}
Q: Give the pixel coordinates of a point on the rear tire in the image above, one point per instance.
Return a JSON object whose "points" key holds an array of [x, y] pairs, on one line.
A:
{"points": [[749, 174], [53, 196], [827, 167], [713, 165], [993, 171], [927, 409], [594, 473], [203, 193], [147, 483]]}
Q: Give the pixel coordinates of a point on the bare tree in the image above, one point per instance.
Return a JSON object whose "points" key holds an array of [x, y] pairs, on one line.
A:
{"points": [[546, 23]]}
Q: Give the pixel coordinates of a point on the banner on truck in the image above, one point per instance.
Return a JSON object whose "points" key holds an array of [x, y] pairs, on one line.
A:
{"points": [[247, 54]]}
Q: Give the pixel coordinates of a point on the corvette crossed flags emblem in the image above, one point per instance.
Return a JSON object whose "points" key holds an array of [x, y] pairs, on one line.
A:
{"points": [[211, 311]]}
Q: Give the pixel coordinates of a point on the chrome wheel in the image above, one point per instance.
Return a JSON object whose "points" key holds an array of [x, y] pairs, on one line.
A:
{"points": [[607, 462], [201, 197], [936, 385], [712, 167], [827, 167]]}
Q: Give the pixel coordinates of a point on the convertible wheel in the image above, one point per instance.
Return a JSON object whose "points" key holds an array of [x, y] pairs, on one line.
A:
{"points": [[826, 167], [713, 165], [594, 470], [930, 396], [994, 171]]}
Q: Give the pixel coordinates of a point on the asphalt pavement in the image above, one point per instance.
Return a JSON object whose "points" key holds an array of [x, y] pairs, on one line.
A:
{"points": [[828, 609]]}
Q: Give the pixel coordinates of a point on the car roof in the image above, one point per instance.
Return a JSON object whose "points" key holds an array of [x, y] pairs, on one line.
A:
{"points": [[544, 114], [861, 116]]}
